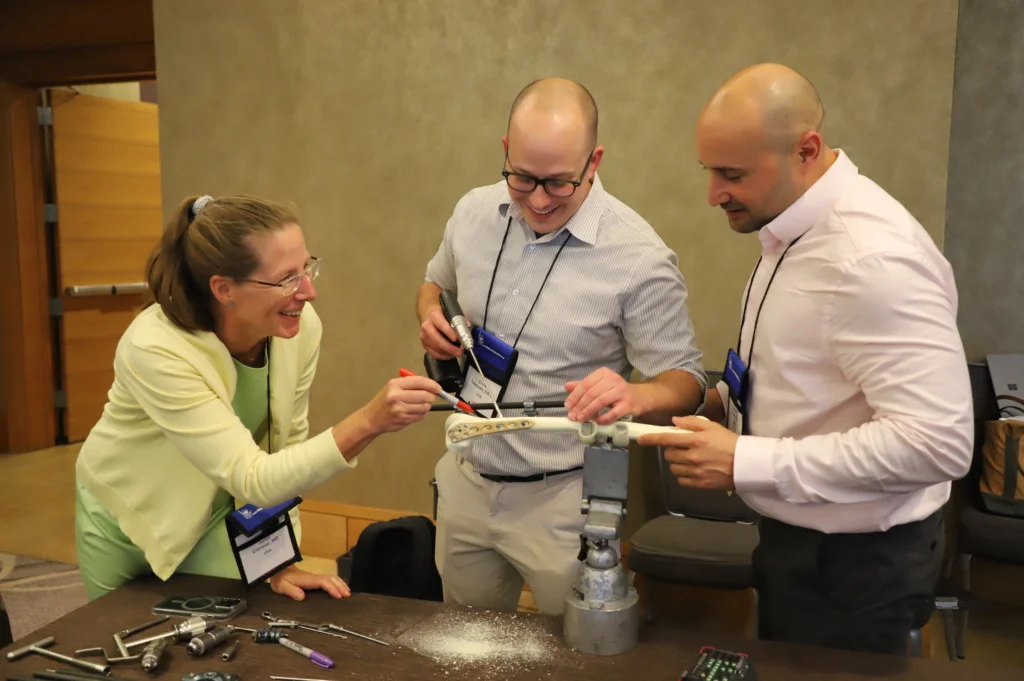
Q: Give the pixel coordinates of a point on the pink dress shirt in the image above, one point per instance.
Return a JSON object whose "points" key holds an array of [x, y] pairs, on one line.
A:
{"points": [[860, 404]]}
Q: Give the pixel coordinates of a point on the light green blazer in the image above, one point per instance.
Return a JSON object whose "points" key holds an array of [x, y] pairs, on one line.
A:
{"points": [[169, 438]]}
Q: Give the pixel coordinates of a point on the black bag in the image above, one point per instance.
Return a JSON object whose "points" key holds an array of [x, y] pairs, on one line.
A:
{"points": [[395, 558]]}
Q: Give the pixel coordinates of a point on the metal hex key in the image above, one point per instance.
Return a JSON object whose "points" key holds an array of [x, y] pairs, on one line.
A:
{"points": [[39, 648]]}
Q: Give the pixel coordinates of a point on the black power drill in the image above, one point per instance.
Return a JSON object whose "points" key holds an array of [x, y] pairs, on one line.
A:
{"points": [[448, 372]]}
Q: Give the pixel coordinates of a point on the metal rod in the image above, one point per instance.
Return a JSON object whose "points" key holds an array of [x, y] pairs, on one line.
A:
{"points": [[352, 633], [85, 652], [125, 633], [56, 676], [504, 405], [106, 289], [82, 674], [149, 639], [120, 646]]}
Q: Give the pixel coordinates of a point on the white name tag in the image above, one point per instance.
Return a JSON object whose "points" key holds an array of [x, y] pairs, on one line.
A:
{"points": [[267, 555], [263, 540], [733, 416], [475, 390]]}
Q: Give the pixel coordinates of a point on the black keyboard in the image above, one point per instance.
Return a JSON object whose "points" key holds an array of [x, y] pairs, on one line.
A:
{"points": [[720, 665]]}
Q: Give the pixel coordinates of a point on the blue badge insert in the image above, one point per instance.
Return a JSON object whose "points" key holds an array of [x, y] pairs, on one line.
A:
{"points": [[497, 361], [737, 378], [263, 540]]}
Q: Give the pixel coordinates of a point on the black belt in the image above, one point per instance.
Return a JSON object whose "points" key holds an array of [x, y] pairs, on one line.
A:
{"points": [[528, 478]]}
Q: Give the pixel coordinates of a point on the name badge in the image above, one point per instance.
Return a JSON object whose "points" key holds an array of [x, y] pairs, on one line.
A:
{"points": [[737, 379], [497, 361], [263, 540]]}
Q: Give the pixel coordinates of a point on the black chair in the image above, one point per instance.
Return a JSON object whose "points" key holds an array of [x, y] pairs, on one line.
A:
{"points": [[707, 538], [6, 637], [978, 532], [703, 537]]}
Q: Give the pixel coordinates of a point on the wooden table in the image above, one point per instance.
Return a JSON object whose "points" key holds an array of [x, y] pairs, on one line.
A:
{"points": [[408, 625]]}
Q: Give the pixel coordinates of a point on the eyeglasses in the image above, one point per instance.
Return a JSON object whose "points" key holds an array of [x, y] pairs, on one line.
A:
{"points": [[558, 188], [290, 285]]}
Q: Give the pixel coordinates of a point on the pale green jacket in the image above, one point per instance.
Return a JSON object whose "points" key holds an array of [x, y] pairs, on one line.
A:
{"points": [[169, 439]]}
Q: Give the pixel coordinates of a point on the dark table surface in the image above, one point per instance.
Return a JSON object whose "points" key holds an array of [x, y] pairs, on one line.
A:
{"points": [[433, 641]]}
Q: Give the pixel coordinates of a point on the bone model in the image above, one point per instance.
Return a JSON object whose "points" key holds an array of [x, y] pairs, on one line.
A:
{"points": [[460, 429]]}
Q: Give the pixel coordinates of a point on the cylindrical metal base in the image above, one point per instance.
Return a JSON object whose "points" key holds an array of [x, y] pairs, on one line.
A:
{"points": [[607, 629]]}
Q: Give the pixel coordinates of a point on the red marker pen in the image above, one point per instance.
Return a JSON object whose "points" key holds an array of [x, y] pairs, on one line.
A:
{"points": [[447, 397]]}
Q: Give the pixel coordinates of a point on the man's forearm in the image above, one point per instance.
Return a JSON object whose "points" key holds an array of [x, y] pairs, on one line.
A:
{"points": [[714, 408], [671, 393], [427, 299]]}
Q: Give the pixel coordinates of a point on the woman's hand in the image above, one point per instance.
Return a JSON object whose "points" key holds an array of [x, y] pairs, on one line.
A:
{"points": [[402, 402], [294, 583]]}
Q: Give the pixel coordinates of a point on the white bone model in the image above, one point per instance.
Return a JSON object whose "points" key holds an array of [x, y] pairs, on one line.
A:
{"points": [[460, 429]]}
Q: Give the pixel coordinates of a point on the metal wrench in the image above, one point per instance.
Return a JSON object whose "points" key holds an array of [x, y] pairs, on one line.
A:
{"points": [[40, 648]]}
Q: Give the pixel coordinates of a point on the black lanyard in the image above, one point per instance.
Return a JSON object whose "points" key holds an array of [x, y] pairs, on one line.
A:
{"points": [[494, 274], [270, 417], [743, 317]]}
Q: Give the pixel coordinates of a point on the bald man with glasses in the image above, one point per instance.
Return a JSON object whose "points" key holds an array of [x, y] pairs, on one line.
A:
{"points": [[584, 290]]}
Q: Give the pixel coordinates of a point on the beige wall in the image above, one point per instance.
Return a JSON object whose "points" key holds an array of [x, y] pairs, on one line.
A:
{"points": [[377, 116], [984, 204]]}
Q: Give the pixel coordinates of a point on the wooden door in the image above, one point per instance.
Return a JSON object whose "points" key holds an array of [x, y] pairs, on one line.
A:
{"points": [[107, 188]]}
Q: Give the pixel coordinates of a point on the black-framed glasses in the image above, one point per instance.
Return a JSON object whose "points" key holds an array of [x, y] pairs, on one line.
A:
{"points": [[557, 188], [290, 285]]}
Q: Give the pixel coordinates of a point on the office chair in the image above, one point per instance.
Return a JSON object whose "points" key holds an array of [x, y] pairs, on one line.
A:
{"points": [[977, 531], [703, 537]]}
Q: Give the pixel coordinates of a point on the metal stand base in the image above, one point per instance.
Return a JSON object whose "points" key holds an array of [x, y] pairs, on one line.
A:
{"points": [[606, 629]]}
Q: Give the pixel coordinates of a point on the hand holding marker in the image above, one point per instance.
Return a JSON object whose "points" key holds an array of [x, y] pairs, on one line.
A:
{"points": [[447, 397]]}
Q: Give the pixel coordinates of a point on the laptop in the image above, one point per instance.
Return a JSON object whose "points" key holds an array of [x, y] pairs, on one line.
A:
{"points": [[1008, 379]]}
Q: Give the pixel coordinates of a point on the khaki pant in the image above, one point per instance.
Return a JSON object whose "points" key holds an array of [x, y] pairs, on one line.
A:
{"points": [[491, 536]]}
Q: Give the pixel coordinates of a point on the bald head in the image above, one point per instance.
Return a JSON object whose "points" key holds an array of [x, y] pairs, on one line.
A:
{"points": [[760, 138], [551, 152], [768, 101], [556, 101]]}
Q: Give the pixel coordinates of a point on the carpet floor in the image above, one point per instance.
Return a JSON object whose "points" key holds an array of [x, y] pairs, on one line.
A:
{"points": [[36, 592]]}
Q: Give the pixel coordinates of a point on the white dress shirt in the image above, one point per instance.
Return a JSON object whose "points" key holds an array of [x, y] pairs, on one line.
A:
{"points": [[860, 408]]}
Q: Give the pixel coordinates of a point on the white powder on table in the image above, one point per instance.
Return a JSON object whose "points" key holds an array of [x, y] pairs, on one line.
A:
{"points": [[490, 644]]}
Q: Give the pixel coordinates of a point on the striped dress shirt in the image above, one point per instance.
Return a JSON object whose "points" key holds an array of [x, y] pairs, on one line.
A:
{"points": [[615, 298]]}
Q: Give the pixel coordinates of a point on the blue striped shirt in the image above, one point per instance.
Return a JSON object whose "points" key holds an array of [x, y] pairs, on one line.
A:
{"points": [[615, 298]]}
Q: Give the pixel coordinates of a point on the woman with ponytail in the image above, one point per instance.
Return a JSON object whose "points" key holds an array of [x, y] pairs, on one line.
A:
{"points": [[209, 406]]}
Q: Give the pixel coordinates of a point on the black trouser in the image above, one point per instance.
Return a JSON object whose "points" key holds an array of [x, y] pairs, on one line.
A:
{"points": [[6, 638], [856, 591]]}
